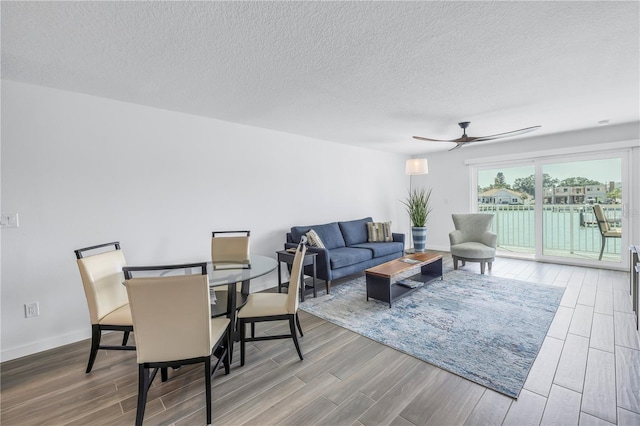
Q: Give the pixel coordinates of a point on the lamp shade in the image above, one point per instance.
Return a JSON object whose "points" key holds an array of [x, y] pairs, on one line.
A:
{"points": [[417, 166]]}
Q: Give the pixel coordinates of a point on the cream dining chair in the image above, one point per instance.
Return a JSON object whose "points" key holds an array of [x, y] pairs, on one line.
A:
{"points": [[230, 248], [107, 300], [274, 307], [172, 318]]}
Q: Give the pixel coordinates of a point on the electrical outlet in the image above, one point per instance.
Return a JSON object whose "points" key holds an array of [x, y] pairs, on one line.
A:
{"points": [[31, 310]]}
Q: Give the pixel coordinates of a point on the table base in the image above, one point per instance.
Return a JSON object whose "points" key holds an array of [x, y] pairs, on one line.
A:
{"points": [[380, 287]]}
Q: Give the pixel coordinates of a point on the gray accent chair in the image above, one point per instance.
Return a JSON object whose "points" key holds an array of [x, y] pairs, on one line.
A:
{"points": [[473, 241]]}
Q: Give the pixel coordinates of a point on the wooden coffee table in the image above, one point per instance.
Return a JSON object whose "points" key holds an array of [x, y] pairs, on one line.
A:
{"points": [[379, 277]]}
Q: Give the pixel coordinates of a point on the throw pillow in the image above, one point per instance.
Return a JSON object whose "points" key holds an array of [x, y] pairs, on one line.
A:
{"points": [[379, 232], [314, 239]]}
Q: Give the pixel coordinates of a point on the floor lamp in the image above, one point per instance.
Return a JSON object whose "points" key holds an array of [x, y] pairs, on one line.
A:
{"points": [[415, 166]]}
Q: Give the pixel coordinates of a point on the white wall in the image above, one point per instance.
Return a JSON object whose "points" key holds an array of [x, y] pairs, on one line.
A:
{"points": [[449, 177], [82, 170]]}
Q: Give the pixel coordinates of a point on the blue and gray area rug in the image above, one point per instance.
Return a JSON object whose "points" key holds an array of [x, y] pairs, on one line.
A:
{"points": [[486, 329]]}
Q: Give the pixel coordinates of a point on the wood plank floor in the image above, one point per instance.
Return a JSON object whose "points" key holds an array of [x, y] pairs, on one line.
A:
{"points": [[587, 373]]}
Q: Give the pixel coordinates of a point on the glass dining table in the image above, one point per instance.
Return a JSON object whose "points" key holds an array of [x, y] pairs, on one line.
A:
{"points": [[224, 278]]}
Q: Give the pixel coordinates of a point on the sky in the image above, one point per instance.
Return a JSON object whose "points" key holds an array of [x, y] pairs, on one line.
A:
{"points": [[605, 170]]}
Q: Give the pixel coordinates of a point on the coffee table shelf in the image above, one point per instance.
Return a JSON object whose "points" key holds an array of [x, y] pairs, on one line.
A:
{"points": [[380, 287]]}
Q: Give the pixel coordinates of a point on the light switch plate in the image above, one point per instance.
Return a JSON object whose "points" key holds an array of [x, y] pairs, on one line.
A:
{"points": [[9, 220]]}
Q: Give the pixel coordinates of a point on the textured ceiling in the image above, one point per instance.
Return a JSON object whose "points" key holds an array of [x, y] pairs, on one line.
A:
{"points": [[370, 74]]}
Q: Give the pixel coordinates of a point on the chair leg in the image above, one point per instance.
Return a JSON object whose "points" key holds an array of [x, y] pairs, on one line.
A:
{"points": [[604, 241], [328, 285], [227, 353], [164, 374], [490, 263], [125, 338], [253, 329], [294, 335], [242, 341], [234, 333], [207, 382], [143, 387], [298, 324], [96, 335], [455, 263], [482, 267]]}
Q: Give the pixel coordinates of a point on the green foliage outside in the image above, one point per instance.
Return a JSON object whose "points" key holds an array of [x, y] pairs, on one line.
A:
{"points": [[615, 194], [527, 185], [578, 181]]}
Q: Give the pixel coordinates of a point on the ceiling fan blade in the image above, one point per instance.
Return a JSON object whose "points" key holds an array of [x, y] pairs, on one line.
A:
{"points": [[463, 139], [420, 138], [458, 145], [507, 134]]}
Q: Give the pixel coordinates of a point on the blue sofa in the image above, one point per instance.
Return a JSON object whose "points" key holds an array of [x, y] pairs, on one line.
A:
{"points": [[347, 250]]}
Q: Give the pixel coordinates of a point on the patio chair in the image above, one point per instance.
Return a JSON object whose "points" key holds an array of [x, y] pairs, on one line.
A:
{"points": [[606, 231]]}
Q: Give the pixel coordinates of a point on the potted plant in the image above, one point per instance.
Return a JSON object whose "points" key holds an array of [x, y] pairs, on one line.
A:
{"points": [[418, 207]]}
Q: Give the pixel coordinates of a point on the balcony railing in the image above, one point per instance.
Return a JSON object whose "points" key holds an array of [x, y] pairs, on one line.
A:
{"points": [[568, 229]]}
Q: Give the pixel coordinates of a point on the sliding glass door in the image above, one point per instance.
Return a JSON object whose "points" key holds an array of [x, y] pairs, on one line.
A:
{"points": [[544, 208], [509, 193], [570, 227]]}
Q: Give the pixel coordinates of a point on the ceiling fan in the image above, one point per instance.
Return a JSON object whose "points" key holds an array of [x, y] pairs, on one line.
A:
{"points": [[465, 139]]}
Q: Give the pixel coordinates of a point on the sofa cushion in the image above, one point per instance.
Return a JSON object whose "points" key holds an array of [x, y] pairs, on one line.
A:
{"points": [[471, 250], [381, 249], [355, 231], [346, 256], [379, 232], [329, 233]]}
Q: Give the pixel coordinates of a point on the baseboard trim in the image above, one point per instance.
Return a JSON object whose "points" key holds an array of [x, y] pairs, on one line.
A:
{"points": [[44, 345]]}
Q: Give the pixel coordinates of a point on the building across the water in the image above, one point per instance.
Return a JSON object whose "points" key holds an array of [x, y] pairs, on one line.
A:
{"points": [[502, 196], [587, 194]]}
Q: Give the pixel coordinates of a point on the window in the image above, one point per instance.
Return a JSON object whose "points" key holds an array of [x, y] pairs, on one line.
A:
{"points": [[553, 218]]}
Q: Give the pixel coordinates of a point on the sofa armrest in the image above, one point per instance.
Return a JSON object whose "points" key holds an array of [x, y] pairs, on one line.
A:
{"points": [[399, 238], [456, 237], [490, 239]]}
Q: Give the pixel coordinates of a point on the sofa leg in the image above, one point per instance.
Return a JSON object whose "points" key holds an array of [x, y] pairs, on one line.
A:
{"points": [[490, 263], [455, 263], [328, 285], [482, 267]]}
